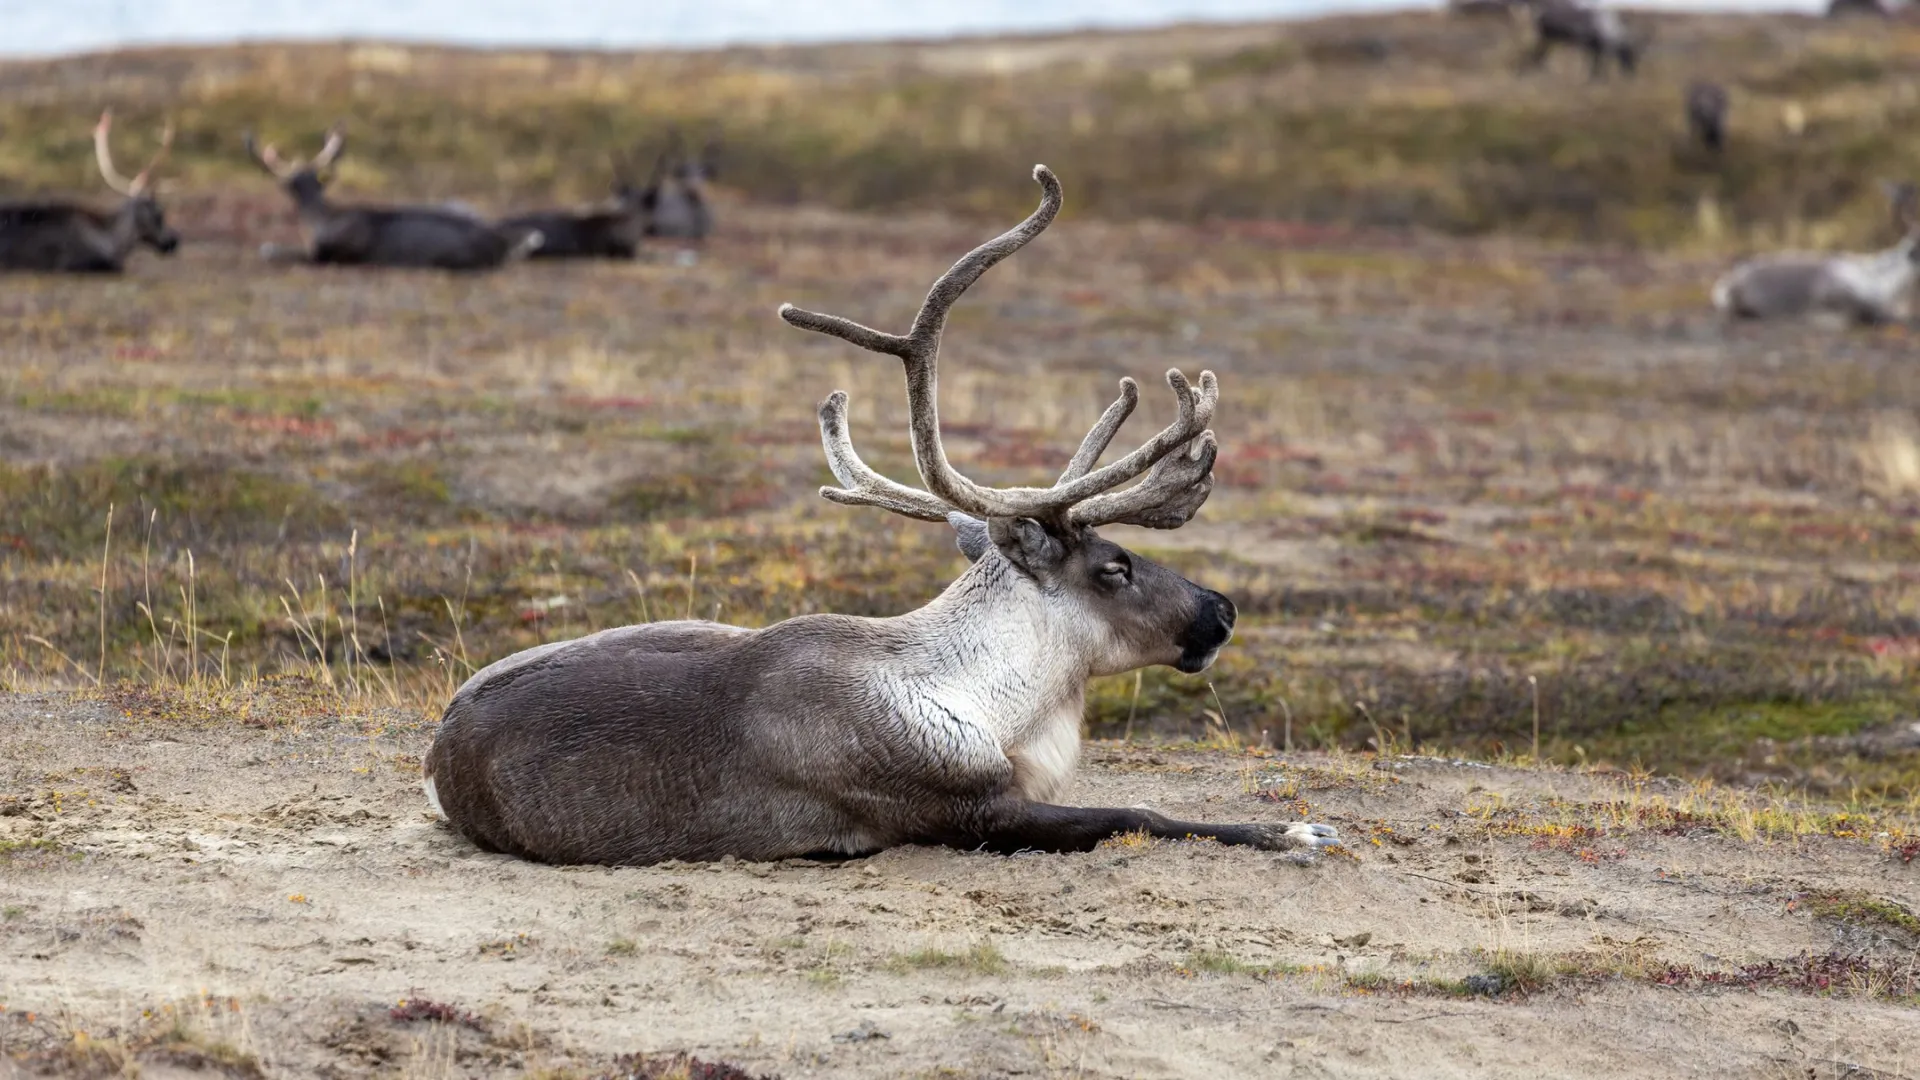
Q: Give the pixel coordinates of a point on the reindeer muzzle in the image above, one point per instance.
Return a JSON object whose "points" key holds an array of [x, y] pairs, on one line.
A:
{"points": [[1212, 627]]}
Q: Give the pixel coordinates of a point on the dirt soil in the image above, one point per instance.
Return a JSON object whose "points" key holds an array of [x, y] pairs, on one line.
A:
{"points": [[267, 898]]}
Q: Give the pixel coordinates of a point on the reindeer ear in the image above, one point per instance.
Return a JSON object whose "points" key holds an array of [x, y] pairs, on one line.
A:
{"points": [[970, 535], [1028, 545]]}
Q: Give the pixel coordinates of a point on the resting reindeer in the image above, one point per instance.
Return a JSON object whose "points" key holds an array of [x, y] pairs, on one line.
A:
{"points": [[953, 724], [1582, 25], [66, 236], [1867, 288], [442, 237], [676, 197], [611, 230]]}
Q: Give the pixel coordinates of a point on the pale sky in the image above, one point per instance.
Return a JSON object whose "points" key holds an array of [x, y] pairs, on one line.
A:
{"points": [[44, 27]]}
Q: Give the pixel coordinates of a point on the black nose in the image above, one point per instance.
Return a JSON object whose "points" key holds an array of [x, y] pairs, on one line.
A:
{"points": [[168, 243], [1212, 627]]}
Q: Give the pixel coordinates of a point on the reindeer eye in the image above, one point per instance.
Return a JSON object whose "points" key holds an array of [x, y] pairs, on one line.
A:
{"points": [[1117, 572]]}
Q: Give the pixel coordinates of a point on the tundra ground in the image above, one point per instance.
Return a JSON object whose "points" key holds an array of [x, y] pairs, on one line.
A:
{"points": [[205, 897]]}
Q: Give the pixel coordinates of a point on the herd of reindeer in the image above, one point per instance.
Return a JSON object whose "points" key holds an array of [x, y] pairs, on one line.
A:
{"points": [[68, 236], [672, 204]]}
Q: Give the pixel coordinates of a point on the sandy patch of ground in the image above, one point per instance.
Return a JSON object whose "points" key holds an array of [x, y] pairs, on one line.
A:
{"points": [[282, 889]]}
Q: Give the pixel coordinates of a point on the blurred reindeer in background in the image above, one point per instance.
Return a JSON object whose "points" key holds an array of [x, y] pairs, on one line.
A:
{"points": [[610, 230], [1706, 106], [445, 238], [1869, 288], [1882, 9], [1597, 30], [69, 237], [675, 197]]}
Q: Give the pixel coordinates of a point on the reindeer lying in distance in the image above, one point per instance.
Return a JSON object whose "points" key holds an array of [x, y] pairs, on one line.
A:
{"points": [[1706, 105], [1574, 22], [611, 230], [953, 724], [676, 197], [67, 236], [1869, 288], [446, 238]]}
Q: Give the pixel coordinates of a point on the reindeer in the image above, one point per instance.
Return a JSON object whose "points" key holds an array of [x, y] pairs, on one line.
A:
{"points": [[1883, 9], [675, 198], [956, 724], [1868, 289], [1573, 22], [441, 237], [66, 236], [1706, 106], [611, 230]]}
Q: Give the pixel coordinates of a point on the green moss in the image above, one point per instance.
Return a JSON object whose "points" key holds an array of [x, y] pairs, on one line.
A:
{"points": [[1219, 962], [983, 958], [1863, 910]]}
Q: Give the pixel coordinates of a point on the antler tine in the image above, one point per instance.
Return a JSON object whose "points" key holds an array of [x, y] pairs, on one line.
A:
{"points": [[961, 276], [1102, 433], [1168, 498], [860, 485], [847, 330], [1196, 412], [336, 142], [103, 154], [144, 177], [265, 156]]}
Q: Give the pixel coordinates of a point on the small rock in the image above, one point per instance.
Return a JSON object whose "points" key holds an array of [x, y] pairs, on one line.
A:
{"points": [[1485, 984], [866, 1032]]}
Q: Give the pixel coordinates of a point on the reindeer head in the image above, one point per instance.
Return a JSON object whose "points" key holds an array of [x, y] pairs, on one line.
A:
{"points": [[1129, 612], [304, 180], [697, 172], [149, 221]]}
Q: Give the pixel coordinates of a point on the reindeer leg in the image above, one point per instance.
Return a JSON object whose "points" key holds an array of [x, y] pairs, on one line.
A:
{"points": [[1013, 824]]}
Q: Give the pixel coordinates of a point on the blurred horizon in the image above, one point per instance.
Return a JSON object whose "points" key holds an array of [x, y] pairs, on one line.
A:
{"points": [[78, 26]]}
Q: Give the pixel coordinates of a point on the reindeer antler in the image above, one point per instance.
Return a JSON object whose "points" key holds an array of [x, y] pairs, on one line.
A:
{"points": [[266, 157], [1173, 491], [143, 179], [103, 153], [336, 141], [269, 159]]}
